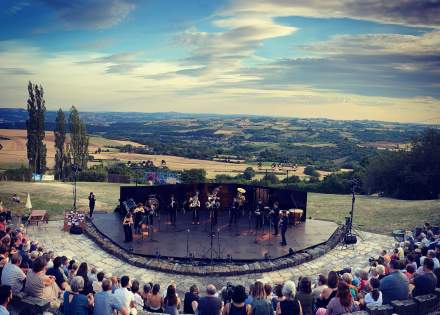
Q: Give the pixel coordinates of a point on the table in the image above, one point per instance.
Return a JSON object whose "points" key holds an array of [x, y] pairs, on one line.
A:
{"points": [[38, 216]]}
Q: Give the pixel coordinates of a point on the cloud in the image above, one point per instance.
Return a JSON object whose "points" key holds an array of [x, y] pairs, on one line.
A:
{"points": [[14, 71], [403, 12], [91, 14]]}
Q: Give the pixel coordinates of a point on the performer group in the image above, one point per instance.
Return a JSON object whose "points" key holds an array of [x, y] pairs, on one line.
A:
{"points": [[140, 217]]}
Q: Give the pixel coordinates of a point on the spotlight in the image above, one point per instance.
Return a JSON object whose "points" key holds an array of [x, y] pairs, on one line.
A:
{"points": [[267, 256], [291, 252]]}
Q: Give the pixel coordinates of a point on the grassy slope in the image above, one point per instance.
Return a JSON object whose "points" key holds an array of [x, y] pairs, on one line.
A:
{"points": [[375, 214]]}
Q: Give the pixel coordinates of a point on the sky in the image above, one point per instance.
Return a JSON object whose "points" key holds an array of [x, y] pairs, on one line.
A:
{"points": [[347, 59]]}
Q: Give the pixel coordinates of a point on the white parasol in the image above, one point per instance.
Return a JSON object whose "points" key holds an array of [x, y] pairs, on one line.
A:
{"points": [[241, 190], [28, 202]]}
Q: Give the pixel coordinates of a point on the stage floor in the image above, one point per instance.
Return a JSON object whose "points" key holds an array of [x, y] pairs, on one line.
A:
{"points": [[241, 242]]}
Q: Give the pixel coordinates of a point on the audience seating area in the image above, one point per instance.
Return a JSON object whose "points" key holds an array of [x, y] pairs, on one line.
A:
{"points": [[403, 281]]}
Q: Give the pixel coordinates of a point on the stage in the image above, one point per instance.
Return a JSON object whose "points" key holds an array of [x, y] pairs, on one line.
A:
{"points": [[239, 243]]}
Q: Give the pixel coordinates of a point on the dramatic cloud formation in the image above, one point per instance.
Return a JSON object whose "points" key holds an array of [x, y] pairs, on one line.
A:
{"points": [[277, 57], [91, 13], [405, 12]]}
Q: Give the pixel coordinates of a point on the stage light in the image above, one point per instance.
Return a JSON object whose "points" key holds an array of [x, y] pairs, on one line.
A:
{"points": [[291, 252]]}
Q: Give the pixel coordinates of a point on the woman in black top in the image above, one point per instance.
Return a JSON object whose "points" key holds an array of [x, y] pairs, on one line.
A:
{"points": [[237, 306], [82, 272], [190, 297], [291, 305]]}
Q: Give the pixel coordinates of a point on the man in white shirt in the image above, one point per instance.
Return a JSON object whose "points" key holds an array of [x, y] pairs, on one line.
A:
{"points": [[125, 297], [12, 275]]}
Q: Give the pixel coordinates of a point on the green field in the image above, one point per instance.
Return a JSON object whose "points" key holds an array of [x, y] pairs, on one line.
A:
{"points": [[374, 214]]}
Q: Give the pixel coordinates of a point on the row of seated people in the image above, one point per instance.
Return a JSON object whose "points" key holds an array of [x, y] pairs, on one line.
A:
{"points": [[406, 271]]}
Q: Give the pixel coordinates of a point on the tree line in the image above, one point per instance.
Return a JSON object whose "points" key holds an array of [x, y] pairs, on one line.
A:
{"points": [[67, 153]]}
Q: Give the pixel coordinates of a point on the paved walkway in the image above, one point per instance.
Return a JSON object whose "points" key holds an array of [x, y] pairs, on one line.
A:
{"points": [[81, 248]]}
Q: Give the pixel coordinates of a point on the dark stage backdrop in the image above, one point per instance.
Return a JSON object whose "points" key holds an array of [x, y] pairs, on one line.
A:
{"points": [[287, 198]]}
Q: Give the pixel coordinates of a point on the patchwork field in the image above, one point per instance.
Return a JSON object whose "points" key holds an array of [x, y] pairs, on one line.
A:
{"points": [[375, 214], [13, 154]]}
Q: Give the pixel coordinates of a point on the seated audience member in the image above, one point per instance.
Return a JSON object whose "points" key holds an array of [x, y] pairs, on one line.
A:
{"points": [[171, 302], [426, 282], [343, 301], [72, 271], [191, 297], [363, 281], [381, 271], [321, 285], [12, 275], [97, 284], [290, 305], [249, 297], [431, 254], [2, 223], [92, 274], [409, 273], [395, 255], [268, 291], [278, 291], [83, 272], [260, 305], [138, 300], [74, 302], [124, 295], [348, 278], [106, 302], [155, 300], [38, 284], [305, 295], [210, 304], [385, 256], [329, 292], [374, 297], [237, 305], [58, 273], [395, 285], [146, 292], [437, 274], [5, 299], [424, 241]]}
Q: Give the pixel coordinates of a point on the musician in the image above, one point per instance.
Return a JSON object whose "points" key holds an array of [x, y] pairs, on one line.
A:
{"points": [[92, 200], [138, 214], [150, 210], [259, 215], [237, 206], [172, 210], [275, 217], [213, 204], [127, 224], [284, 223], [194, 206]]}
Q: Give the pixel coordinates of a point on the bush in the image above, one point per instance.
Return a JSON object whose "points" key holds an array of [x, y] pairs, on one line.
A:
{"points": [[310, 170], [194, 175], [93, 175], [20, 174], [248, 173]]}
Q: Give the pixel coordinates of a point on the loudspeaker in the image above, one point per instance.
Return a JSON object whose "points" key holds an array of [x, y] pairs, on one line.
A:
{"points": [[350, 239]]}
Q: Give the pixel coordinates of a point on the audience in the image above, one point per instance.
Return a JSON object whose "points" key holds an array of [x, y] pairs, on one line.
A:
{"points": [[305, 295], [5, 299], [75, 303], [374, 297], [290, 305], [106, 302], [190, 297], [171, 301], [12, 275], [426, 282], [124, 295], [409, 270], [395, 285], [210, 304], [261, 305], [237, 305]]}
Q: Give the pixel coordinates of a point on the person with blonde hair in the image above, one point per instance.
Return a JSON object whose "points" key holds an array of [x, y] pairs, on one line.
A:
{"points": [[260, 305], [290, 305]]}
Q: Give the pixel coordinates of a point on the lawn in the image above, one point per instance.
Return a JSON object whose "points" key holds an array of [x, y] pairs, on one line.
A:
{"points": [[374, 214]]}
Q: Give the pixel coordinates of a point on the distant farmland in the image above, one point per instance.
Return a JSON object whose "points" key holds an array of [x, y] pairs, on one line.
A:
{"points": [[13, 154]]}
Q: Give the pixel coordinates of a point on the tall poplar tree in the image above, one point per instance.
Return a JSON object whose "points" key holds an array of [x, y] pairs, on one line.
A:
{"points": [[60, 148], [79, 141], [36, 149]]}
